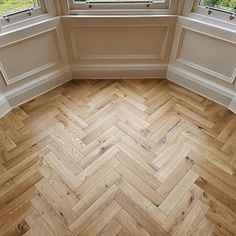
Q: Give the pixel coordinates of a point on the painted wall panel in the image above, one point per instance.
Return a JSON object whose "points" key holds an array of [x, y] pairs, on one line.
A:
{"points": [[203, 59], [207, 53], [24, 58], [119, 42], [33, 60], [119, 46]]}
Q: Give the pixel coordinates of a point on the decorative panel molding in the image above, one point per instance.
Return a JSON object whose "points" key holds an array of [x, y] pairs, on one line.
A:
{"points": [[114, 46], [208, 54], [31, 55], [98, 42], [119, 40]]}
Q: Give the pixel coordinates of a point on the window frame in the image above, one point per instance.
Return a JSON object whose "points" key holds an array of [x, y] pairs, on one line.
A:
{"points": [[22, 15], [116, 8], [214, 14]]}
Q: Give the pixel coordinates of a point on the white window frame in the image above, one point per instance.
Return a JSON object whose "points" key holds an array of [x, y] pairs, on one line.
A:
{"points": [[116, 8], [214, 14], [24, 16]]}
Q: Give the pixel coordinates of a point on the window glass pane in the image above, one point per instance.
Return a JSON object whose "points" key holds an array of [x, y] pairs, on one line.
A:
{"points": [[225, 5], [11, 6]]}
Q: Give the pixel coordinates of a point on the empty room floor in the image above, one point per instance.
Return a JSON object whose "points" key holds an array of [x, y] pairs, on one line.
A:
{"points": [[118, 157]]}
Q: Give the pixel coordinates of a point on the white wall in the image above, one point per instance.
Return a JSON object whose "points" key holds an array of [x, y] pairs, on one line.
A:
{"points": [[203, 59], [119, 46]]}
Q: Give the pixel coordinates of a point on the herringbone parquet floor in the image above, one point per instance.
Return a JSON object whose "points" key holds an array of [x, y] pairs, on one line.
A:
{"points": [[125, 157]]}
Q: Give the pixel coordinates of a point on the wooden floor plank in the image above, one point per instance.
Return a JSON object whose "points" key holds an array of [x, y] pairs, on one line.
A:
{"points": [[131, 224]]}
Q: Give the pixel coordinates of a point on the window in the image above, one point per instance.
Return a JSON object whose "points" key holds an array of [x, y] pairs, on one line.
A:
{"points": [[119, 4], [221, 9], [14, 10], [222, 5], [11, 6]]}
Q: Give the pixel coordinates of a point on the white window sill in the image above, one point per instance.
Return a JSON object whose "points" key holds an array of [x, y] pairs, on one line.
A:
{"points": [[117, 15], [10, 28], [226, 25], [121, 12]]}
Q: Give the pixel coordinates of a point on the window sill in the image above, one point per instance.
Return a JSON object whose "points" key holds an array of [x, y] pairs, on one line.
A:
{"points": [[120, 12], [227, 25], [10, 28]]}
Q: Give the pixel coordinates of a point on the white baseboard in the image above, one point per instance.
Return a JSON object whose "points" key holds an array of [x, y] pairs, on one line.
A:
{"points": [[111, 71], [202, 86], [4, 106], [32, 89], [232, 105]]}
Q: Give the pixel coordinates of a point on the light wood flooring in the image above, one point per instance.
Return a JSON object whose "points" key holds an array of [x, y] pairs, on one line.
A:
{"points": [[118, 157]]}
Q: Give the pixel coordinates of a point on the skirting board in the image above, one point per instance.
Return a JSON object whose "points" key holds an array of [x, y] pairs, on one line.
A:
{"points": [[111, 71], [232, 105], [4, 106], [206, 88], [28, 91]]}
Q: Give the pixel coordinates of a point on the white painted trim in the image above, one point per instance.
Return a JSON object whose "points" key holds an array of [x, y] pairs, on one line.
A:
{"points": [[188, 6], [17, 41], [120, 66], [200, 85], [4, 106], [168, 6], [232, 105], [115, 71], [28, 91], [32, 89]]}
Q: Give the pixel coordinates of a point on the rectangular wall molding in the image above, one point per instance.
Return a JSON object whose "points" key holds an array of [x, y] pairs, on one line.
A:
{"points": [[9, 80], [79, 42], [202, 52], [119, 47]]}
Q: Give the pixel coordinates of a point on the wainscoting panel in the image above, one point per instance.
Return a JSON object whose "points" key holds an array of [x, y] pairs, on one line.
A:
{"points": [[210, 54], [33, 60], [203, 59], [29, 56], [121, 43], [117, 42]]}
